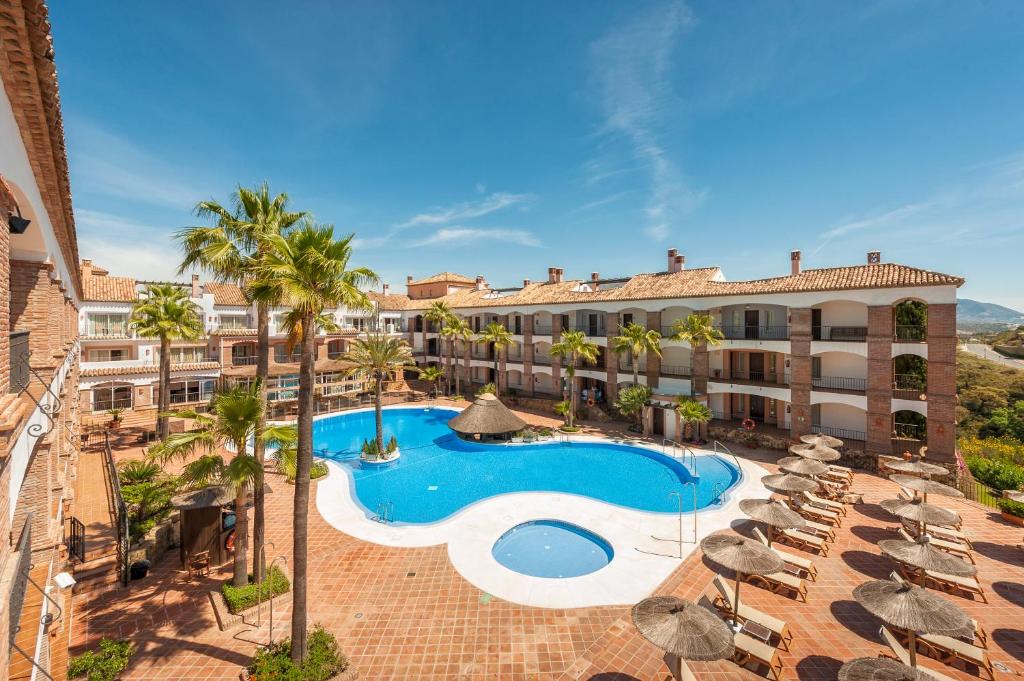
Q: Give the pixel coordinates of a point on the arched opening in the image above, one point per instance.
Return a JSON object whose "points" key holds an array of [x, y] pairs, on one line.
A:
{"points": [[839, 371], [909, 377], [909, 432], [670, 315], [910, 321], [544, 384], [841, 420], [542, 353]]}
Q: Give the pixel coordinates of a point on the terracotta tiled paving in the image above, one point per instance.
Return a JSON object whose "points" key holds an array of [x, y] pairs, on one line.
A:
{"points": [[407, 614], [93, 505]]}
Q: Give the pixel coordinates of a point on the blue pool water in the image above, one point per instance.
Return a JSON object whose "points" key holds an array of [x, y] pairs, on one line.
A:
{"points": [[552, 548], [439, 474]]}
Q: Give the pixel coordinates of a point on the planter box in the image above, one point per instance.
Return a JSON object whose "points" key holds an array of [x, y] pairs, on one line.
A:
{"points": [[350, 674], [1014, 519]]}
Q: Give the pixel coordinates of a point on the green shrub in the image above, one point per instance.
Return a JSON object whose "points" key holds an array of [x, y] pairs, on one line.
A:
{"points": [[318, 470], [105, 664], [996, 473], [131, 472], [570, 429], [241, 598], [1010, 506], [149, 503], [487, 388], [323, 660]]}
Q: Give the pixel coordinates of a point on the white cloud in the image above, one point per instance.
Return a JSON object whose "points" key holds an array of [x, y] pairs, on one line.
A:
{"points": [[467, 210], [151, 260], [467, 235]]}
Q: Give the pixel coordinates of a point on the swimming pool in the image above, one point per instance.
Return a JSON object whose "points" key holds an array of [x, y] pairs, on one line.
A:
{"points": [[439, 474], [552, 549]]}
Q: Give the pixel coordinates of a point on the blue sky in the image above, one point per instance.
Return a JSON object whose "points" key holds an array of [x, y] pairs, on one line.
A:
{"points": [[504, 138]]}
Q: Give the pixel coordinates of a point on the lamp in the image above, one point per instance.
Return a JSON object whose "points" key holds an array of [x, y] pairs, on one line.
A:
{"points": [[17, 223]]}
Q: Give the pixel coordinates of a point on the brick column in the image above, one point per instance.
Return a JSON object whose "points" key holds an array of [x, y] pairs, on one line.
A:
{"points": [[700, 366], [502, 378], [556, 362], [800, 370], [30, 305], [879, 392], [941, 388], [528, 354], [467, 350], [321, 348], [653, 361], [727, 406], [611, 360], [225, 353]]}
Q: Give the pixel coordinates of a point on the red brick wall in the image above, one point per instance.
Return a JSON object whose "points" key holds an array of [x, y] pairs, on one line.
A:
{"points": [[31, 309], [879, 392], [653, 361], [528, 383], [800, 370], [611, 325], [941, 382]]}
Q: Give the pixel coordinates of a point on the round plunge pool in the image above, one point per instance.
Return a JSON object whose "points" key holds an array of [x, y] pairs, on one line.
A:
{"points": [[553, 549]]}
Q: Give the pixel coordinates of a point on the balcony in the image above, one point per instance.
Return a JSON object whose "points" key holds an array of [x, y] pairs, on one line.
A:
{"points": [[752, 377], [281, 358], [542, 329], [911, 334], [243, 360], [908, 387], [542, 360], [754, 332], [839, 383], [191, 397], [675, 370], [844, 434], [102, 405], [107, 331], [856, 334]]}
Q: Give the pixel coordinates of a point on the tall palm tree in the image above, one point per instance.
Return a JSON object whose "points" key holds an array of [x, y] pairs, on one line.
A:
{"points": [[233, 420], [231, 250], [500, 337], [456, 330], [311, 270], [437, 315], [696, 329], [165, 312], [375, 359], [574, 346], [636, 341]]}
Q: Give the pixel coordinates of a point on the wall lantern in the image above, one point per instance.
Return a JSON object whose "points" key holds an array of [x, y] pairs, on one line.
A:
{"points": [[17, 223]]}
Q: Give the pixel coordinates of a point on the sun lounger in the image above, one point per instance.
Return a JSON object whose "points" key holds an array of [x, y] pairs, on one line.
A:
{"points": [[903, 655], [817, 514], [943, 533], [779, 582], [951, 584], [841, 470], [805, 565], [802, 540], [955, 548], [749, 649], [723, 603], [949, 650], [828, 505], [975, 634]]}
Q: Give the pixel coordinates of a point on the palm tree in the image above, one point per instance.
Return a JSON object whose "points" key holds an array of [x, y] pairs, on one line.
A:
{"points": [[636, 341], [311, 270], [431, 375], [231, 251], [697, 330], [497, 334], [575, 346], [632, 400], [375, 359], [691, 411], [456, 330], [438, 315], [233, 419], [165, 312]]}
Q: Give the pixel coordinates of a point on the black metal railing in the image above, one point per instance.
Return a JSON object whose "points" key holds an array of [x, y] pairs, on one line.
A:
{"points": [[102, 405], [913, 333], [841, 433], [752, 376], [120, 512], [243, 360], [542, 361], [186, 398], [667, 330], [839, 383], [857, 334], [908, 431], [19, 361], [282, 358], [752, 331], [908, 387], [75, 539]]}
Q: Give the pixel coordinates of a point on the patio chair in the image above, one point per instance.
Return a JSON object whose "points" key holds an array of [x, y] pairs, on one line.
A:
{"points": [[804, 565], [903, 655], [780, 582], [949, 650], [956, 548], [199, 564], [816, 514], [724, 603], [801, 540], [815, 500], [826, 532]]}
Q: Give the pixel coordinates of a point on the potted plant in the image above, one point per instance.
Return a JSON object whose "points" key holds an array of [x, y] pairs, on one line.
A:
{"points": [[115, 417], [1011, 511]]}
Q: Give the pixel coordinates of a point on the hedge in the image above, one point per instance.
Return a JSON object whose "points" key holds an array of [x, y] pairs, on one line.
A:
{"points": [[105, 664], [241, 598]]}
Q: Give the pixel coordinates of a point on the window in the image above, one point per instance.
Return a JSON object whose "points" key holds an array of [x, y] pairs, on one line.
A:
{"points": [[281, 355], [110, 396], [186, 355], [283, 388], [234, 321], [198, 390], [106, 324], [815, 367], [816, 416], [627, 318], [108, 355]]}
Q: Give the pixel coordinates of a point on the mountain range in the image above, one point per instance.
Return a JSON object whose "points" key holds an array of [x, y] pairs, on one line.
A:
{"points": [[976, 312]]}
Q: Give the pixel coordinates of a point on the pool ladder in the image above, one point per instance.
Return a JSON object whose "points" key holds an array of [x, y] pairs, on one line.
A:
{"points": [[680, 451], [716, 493], [385, 512]]}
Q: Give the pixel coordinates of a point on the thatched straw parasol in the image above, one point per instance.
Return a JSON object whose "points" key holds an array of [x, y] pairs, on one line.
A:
{"points": [[912, 608], [798, 465], [881, 669], [919, 511], [788, 483], [207, 497], [771, 513], [816, 452], [741, 555], [821, 439], [925, 486], [486, 416], [922, 555], [917, 467], [683, 629]]}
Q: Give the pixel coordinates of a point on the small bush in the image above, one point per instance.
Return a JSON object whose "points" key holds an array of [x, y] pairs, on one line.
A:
{"points": [[570, 429], [318, 470], [132, 472], [242, 598], [105, 664], [1010, 506], [997, 473], [323, 660], [488, 388]]}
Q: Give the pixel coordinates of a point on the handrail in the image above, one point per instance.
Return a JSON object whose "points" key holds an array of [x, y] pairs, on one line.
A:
{"points": [[676, 446], [120, 511], [718, 444]]}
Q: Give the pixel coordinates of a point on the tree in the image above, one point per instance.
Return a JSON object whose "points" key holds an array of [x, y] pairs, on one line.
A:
{"points": [[311, 269], [431, 375], [456, 330], [636, 341], [691, 411], [632, 400], [574, 346], [438, 315], [165, 312], [232, 250], [233, 419], [696, 329], [562, 409], [375, 359], [496, 334]]}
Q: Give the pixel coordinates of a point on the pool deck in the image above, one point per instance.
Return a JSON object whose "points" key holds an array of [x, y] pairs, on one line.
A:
{"points": [[408, 613]]}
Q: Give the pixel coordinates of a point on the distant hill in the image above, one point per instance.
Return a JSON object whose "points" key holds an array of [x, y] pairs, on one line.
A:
{"points": [[975, 312]]}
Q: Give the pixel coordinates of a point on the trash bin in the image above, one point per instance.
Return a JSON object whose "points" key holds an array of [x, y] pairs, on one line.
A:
{"points": [[138, 569]]}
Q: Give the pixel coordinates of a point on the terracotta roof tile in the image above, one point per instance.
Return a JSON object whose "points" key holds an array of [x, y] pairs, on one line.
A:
{"points": [[225, 294], [104, 288], [390, 302], [446, 277], [147, 369], [234, 332]]}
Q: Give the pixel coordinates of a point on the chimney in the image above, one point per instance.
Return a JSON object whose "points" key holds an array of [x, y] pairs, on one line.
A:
{"points": [[196, 288], [86, 269], [479, 282], [526, 282], [386, 289], [874, 257], [559, 275], [408, 279], [794, 260], [672, 253], [552, 273], [594, 276], [680, 263]]}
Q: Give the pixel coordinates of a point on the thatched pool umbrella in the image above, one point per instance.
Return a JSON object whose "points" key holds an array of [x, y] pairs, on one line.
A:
{"points": [[926, 487], [919, 511], [773, 514], [486, 416], [881, 669], [1016, 495], [912, 608], [683, 629], [816, 452], [214, 495], [787, 483], [798, 465], [922, 555], [917, 467], [743, 556], [821, 439]]}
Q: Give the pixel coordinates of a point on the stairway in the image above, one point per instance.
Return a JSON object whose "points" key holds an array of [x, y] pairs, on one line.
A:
{"points": [[95, 509]]}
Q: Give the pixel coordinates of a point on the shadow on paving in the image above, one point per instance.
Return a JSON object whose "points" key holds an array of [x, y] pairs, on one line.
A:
{"points": [[1010, 640], [1003, 553], [818, 667], [869, 564], [872, 535], [618, 676], [874, 511], [1011, 591], [853, 616]]}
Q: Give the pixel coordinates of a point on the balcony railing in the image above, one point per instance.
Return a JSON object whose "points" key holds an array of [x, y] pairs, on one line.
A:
{"points": [[841, 433], [839, 383], [756, 332], [911, 333], [908, 431], [675, 370], [908, 387], [243, 360], [288, 359], [542, 360], [107, 405], [542, 329], [187, 398], [857, 334], [750, 376]]}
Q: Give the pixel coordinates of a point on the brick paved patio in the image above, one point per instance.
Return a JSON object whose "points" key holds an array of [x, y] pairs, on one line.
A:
{"points": [[407, 614]]}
